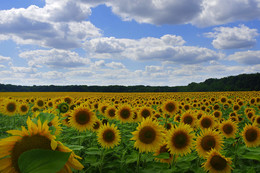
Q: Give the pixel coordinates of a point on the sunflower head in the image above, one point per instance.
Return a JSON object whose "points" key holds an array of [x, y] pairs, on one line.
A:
{"points": [[63, 107], [228, 128], [108, 136], [206, 121], [37, 136], [209, 139], [124, 113], [251, 135], [145, 112], [148, 135], [217, 163], [170, 107], [180, 139], [110, 112], [82, 118], [188, 118]]}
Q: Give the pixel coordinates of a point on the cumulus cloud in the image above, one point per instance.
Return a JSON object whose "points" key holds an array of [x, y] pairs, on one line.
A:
{"points": [[29, 70], [54, 58], [4, 59], [59, 24], [216, 12], [115, 65], [233, 38], [165, 48], [246, 57]]}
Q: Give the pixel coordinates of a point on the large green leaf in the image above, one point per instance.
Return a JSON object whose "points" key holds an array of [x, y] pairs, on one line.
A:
{"points": [[42, 161]]}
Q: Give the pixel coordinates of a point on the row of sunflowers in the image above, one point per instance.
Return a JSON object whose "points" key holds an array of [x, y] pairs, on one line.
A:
{"points": [[131, 132]]}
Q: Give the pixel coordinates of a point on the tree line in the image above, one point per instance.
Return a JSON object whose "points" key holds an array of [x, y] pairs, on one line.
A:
{"points": [[242, 82]]}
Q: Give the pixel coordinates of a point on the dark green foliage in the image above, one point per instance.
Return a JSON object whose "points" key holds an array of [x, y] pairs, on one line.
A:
{"points": [[242, 82]]}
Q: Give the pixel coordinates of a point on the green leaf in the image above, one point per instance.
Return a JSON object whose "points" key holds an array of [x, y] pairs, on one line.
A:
{"points": [[251, 156], [42, 161], [163, 156]]}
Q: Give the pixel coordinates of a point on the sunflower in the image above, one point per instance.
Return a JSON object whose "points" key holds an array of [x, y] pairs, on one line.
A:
{"points": [[257, 121], [102, 108], [68, 99], [163, 149], [110, 112], [23, 108], [251, 136], [63, 107], [217, 163], [97, 125], [188, 118], [223, 99], [9, 107], [124, 113], [236, 107], [148, 135], [40, 103], [108, 136], [180, 139], [217, 114], [228, 128], [206, 121], [170, 107], [65, 119], [37, 136], [82, 118], [145, 112], [55, 124], [209, 139]]}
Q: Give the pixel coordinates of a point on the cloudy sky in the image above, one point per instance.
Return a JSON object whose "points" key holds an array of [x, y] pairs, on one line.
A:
{"points": [[127, 42]]}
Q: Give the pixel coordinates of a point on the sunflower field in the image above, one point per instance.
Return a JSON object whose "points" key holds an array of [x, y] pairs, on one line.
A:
{"points": [[130, 132]]}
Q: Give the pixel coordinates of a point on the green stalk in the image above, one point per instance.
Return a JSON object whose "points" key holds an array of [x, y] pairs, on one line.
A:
{"points": [[166, 121], [102, 156], [138, 162]]}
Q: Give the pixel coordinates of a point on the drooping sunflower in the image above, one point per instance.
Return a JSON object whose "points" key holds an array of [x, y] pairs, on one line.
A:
{"points": [[170, 107], [145, 112], [163, 149], [148, 135], [251, 135], [209, 139], [124, 113], [188, 118], [9, 107], [110, 112], [66, 119], [63, 107], [180, 139], [228, 128], [55, 123], [108, 136], [37, 136], [206, 121], [82, 118], [217, 163]]}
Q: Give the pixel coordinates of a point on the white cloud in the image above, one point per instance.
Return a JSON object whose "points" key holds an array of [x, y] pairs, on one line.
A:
{"points": [[4, 58], [165, 48], [54, 58], [156, 11], [23, 69], [216, 12], [59, 24], [233, 38], [246, 57], [115, 65]]}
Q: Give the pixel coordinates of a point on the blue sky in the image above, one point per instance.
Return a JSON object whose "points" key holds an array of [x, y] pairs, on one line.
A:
{"points": [[127, 42]]}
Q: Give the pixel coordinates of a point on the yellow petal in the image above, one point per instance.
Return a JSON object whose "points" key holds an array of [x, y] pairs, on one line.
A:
{"points": [[54, 144], [4, 163], [15, 132]]}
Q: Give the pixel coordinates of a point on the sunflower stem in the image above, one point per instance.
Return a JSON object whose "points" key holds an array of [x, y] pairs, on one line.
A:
{"points": [[102, 156], [166, 121], [138, 162]]}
